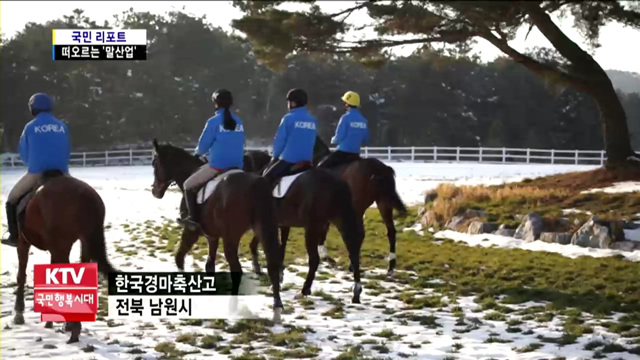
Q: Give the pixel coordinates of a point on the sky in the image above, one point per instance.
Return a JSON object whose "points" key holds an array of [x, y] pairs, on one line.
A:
{"points": [[616, 52]]}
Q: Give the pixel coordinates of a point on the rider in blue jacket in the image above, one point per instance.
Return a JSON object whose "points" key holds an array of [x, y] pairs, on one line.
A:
{"points": [[352, 132], [44, 145], [223, 139], [295, 138]]}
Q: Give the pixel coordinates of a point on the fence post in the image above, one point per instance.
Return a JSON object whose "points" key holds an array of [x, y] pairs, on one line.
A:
{"points": [[480, 153], [366, 151], [130, 157], [84, 159], [576, 156], [528, 154], [12, 161], [553, 155], [106, 158], [389, 153], [457, 153], [504, 155], [435, 153], [413, 153], [601, 157]]}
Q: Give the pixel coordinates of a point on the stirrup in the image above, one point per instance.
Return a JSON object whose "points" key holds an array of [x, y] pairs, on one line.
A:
{"points": [[189, 223]]}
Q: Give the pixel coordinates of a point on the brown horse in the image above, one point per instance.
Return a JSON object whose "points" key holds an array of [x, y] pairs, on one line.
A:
{"points": [[370, 180], [314, 200], [62, 211], [239, 202]]}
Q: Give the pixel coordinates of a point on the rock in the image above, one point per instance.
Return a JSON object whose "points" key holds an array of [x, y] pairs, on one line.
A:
{"points": [[480, 227], [429, 218], [530, 228], [616, 229], [504, 231], [455, 222], [593, 235], [563, 238], [625, 245], [430, 196], [50, 346]]}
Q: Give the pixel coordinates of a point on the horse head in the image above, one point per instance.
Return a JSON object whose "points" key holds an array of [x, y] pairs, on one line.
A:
{"points": [[170, 164]]}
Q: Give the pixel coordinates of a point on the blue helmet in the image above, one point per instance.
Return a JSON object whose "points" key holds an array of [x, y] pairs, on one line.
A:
{"points": [[40, 102]]}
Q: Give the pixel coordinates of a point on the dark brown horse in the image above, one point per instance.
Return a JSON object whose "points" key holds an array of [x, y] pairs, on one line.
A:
{"points": [[240, 201], [370, 180], [64, 210], [316, 199]]}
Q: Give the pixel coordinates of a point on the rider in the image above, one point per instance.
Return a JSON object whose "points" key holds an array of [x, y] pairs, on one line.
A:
{"points": [[44, 145], [223, 139], [295, 138], [352, 132]]}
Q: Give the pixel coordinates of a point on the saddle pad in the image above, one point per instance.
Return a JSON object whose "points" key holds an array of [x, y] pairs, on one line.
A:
{"points": [[285, 183], [206, 191]]}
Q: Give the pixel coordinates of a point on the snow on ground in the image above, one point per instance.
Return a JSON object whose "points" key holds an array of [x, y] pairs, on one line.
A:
{"points": [[570, 251], [619, 187], [389, 329]]}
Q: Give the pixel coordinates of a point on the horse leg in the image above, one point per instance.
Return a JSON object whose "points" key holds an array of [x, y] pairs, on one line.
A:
{"points": [[386, 212], [188, 239], [284, 237], [231, 254], [210, 266], [254, 255], [60, 255], [322, 250], [353, 242], [23, 259], [311, 237]]}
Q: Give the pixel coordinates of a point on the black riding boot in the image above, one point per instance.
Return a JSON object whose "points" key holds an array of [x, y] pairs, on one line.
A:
{"points": [[12, 222], [191, 221]]}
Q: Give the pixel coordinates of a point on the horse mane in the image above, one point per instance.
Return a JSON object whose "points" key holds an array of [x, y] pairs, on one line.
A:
{"points": [[51, 174], [175, 153]]}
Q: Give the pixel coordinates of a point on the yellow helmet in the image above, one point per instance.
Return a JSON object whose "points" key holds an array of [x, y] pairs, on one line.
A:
{"points": [[351, 98]]}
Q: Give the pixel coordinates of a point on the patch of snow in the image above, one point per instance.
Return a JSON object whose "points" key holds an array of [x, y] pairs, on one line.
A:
{"points": [[576, 211], [619, 187], [632, 234], [570, 251]]}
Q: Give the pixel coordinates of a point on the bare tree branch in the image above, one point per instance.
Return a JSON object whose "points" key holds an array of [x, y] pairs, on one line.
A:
{"points": [[352, 9]]}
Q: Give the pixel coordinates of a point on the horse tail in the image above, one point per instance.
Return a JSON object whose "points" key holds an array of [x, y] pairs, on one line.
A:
{"points": [[95, 240], [386, 183], [98, 250], [264, 221], [352, 227]]}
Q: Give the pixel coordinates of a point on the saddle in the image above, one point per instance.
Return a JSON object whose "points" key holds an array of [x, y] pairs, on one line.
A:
{"points": [[283, 184], [26, 198], [207, 190]]}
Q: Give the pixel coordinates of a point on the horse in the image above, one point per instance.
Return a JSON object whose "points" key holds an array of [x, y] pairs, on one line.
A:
{"points": [[370, 180], [311, 199], [232, 203], [52, 218]]}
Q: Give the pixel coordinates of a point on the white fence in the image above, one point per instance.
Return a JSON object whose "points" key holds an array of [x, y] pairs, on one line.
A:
{"points": [[403, 154]]}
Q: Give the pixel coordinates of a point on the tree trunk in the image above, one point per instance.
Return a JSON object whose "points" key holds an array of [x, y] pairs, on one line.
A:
{"points": [[615, 131]]}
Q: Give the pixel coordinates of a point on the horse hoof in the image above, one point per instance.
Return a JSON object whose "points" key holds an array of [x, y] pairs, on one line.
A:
{"points": [[299, 296], [18, 319], [48, 325], [276, 315], [350, 268], [355, 300], [73, 339], [390, 273]]}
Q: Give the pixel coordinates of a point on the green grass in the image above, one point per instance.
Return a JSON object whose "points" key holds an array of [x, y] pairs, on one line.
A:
{"points": [[599, 286]]}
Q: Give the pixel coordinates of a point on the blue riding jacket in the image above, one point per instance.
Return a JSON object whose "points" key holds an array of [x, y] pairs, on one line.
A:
{"points": [[352, 132], [225, 147], [45, 144], [296, 136]]}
